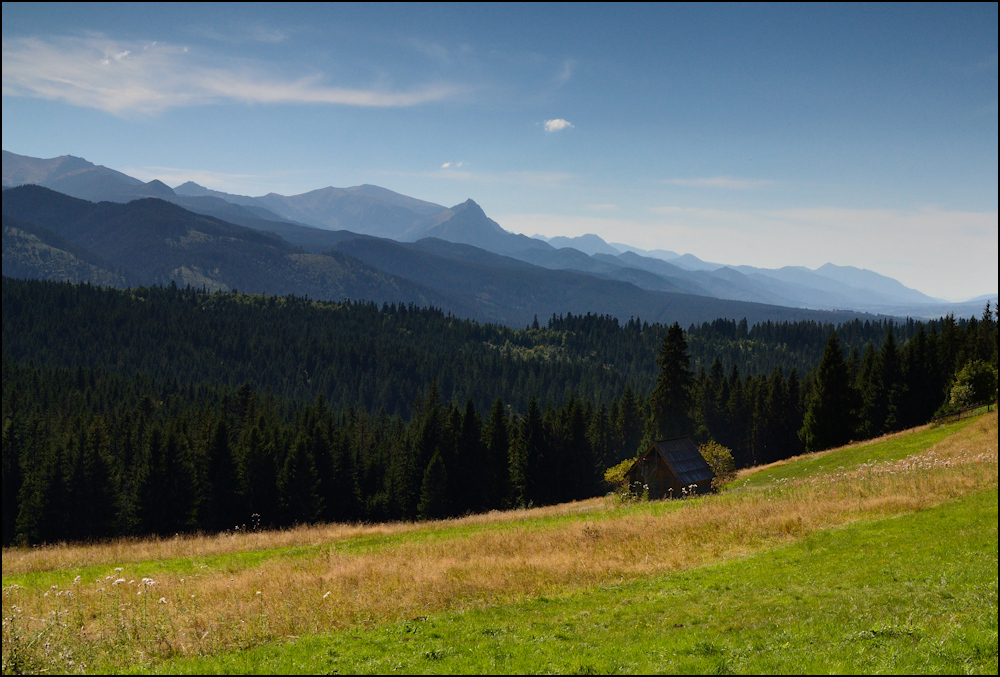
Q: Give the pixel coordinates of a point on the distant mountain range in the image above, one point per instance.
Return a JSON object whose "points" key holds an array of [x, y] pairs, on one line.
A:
{"points": [[415, 235]]}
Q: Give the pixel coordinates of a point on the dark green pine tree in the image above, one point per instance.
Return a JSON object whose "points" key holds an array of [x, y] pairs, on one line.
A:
{"points": [[180, 482], [221, 505], [496, 448], [435, 498], [872, 414], [891, 379], [259, 473], [831, 407], [579, 466], [12, 478], [791, 419], [299, 484], [600, 437], [769, 425], [671, 400], [429, 438], [922, 395], [150, 485], [470, 460], [527, 459], [629, 425]]}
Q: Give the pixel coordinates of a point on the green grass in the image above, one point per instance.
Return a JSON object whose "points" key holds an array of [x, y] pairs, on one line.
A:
{"points": [[359, 545], [234, 562], [913, 593], [847, 459]]}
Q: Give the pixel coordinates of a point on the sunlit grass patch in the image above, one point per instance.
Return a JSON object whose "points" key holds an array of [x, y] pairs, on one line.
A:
{"points": [[887, 448], [916, 593], [364, 577]]}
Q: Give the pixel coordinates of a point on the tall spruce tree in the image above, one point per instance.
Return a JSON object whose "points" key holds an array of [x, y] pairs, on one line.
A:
{"points": [[435, 496], [831, 407], [671, 400], [527, 459], [496, 465]]}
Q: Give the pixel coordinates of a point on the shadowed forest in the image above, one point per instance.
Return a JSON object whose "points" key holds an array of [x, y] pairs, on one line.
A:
{"points": [[166, 410]]}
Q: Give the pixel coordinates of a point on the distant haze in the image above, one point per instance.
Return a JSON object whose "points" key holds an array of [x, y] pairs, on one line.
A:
{"points": [[761, 135]]}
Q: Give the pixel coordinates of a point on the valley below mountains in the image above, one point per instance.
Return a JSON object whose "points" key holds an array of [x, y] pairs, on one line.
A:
{"points": [[68, 219]]}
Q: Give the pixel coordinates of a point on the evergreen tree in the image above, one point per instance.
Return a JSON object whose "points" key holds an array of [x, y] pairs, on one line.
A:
{"points": [[221, 505], [12, 479], [629, 425], [831, 407], [299, 484], [527, 459], [435, 497], [496, 467], [471, 463], [180, 484], [671, 400]]}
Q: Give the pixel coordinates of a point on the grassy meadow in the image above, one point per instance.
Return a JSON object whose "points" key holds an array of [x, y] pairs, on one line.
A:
{"points": [[878, 557]]}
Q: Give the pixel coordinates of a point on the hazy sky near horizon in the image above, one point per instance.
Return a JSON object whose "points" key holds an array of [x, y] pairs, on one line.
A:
{"points": [[767, 135]]}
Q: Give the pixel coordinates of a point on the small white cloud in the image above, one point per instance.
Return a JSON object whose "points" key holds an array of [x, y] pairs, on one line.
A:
{"points": [[557, 125], [446, 165], [108, 57], [449, 165]]}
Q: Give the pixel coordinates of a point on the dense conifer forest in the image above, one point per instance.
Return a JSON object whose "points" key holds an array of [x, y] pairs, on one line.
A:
{"points": [[164, 410]]}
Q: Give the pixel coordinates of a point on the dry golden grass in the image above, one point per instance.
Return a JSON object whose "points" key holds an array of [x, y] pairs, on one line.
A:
{"points": [[18, 561], [122, 619]]}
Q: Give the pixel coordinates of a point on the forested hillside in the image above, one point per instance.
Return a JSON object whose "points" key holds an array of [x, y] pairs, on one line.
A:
{"points": [[157, 410]]}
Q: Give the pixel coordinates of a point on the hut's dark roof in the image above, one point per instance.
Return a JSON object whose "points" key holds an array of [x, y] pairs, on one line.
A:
{"points": [[684, 459]]}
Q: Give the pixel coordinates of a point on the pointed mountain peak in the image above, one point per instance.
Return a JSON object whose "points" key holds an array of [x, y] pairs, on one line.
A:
{"points": [[157, 188], [190, 188], [469, 206]]}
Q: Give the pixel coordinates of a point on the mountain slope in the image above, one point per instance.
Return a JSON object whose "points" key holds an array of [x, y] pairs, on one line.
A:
{"points": [[467, 223], [859, 278], [38, 253], [504, 289], [155, 242]]}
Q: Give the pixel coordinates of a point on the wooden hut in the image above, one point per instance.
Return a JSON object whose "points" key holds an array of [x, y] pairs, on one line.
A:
{"points": [[671, 468]]}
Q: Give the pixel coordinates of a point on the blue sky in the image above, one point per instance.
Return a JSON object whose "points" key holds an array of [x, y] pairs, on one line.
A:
{"points": [[762, 135]]}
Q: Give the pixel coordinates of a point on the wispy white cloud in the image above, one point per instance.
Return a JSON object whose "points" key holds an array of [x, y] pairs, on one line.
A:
{"points": [[94, 72], [449, 165], [725, 182], [432, 50], [239, 35], [557, 125], [565, 72]]}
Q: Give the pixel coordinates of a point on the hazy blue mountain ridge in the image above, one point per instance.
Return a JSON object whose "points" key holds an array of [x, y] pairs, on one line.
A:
{"points": [[309, 219]]}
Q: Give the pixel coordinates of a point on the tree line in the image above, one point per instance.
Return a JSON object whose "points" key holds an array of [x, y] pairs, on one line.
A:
{"points": [[101, 439]]}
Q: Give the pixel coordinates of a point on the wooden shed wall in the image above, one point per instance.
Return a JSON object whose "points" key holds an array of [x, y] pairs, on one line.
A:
{"points": [[653, 471]]}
